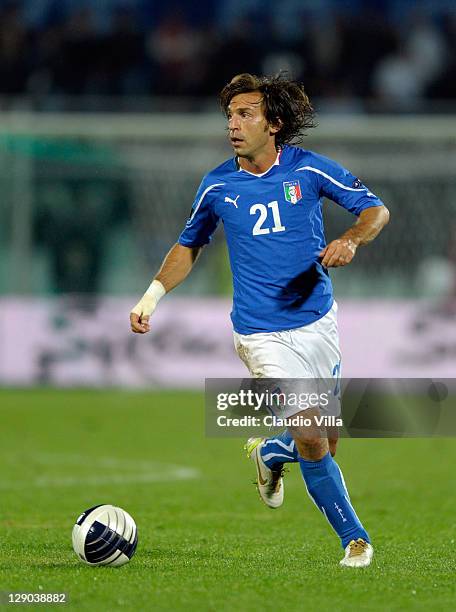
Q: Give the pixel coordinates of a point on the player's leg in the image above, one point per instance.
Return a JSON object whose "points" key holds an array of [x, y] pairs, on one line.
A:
{"points": [[319, 344], [309, 352], [278, 450], [269, 456], [326, 486], [267, 355], [322, 476]]}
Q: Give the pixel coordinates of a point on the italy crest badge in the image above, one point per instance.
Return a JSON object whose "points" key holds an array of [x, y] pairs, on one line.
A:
{"points": [[292, 190]]}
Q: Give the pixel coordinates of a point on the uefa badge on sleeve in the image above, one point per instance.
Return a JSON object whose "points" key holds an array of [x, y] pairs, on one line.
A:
{"points": [[292, 190]]}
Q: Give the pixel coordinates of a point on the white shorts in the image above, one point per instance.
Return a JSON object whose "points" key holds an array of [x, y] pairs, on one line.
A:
{"points": [[308, 352]]}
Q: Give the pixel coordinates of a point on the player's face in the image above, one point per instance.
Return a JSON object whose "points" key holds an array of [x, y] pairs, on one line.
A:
{"points": [[249, 131]]}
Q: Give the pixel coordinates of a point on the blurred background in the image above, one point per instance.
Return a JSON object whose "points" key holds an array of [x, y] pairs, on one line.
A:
{"points": [[108, 121]]}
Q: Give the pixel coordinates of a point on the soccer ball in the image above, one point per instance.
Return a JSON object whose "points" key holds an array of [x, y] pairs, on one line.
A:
{"points": [[105, 535]]}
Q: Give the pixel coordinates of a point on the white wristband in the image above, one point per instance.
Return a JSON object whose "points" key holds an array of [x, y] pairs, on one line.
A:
{"points": [[147, 304], [156, 290]]}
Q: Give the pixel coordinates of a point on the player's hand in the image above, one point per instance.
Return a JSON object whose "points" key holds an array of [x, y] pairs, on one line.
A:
{"points": [[337, 253], [139, 316]]}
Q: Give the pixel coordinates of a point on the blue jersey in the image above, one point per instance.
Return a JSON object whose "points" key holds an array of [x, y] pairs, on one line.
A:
{"points": [[274, 231]]}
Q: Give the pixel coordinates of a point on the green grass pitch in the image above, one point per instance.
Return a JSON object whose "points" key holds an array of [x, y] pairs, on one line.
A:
{"points": [[205, 540]]}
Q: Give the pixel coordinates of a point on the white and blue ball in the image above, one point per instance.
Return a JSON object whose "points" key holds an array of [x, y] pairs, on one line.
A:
{"points": [[105, 535]]}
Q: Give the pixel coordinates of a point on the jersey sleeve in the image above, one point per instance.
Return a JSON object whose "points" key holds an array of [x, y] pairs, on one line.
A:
{"points": [[203, 219], [341, 186]]}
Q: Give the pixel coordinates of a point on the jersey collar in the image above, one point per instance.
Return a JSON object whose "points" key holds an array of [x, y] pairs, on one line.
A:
{"points": [[276, 163]]}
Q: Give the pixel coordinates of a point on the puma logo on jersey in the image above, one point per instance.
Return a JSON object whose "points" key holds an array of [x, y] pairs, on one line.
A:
{"points": [[230, 201]]}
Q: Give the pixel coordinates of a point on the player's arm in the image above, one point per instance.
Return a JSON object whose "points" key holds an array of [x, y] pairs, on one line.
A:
{"points": [[370, 223], [174, 269], [177, 264]]}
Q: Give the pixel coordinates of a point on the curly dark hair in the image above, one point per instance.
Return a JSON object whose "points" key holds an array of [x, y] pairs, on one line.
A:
{"points": [[285, 103]]}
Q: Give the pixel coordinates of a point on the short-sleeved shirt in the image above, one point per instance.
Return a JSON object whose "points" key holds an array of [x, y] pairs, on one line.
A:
{"points": [[274, 231]]}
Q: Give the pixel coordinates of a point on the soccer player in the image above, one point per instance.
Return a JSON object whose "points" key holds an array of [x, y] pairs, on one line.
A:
{"points": [[284, 315]]}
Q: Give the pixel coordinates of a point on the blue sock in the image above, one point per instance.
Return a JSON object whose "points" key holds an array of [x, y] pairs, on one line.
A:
{"points": [[278, 450], [326, 486]]}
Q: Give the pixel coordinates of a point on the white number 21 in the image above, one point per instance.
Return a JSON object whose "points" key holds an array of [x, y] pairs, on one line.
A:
{"points": [[258, 228]]}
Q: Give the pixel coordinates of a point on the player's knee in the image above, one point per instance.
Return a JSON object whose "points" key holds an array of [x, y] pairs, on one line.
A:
{"points": [[311, 447]]}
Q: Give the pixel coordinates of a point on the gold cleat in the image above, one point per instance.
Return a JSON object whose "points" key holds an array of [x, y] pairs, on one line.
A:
{"points": [[358, 553], [269, 482]]}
